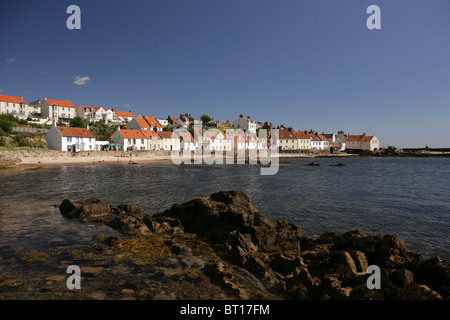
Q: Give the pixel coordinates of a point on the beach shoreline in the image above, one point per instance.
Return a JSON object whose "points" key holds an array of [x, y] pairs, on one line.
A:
{"points": [[29, 159]]}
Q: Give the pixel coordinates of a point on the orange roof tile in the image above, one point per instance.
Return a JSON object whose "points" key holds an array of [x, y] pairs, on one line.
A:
{"points": [[301, 135], [150, 134], [142, 123], [12, 99], [133, 134], [124, 114], [367, 139], [286, 134], [354, 138], [60, 103], [165, 134], [75, 132], [152, 121]]}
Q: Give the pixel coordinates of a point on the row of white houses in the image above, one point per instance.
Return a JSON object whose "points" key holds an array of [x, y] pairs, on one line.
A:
{"points": [[147, 132], [49, 110]]}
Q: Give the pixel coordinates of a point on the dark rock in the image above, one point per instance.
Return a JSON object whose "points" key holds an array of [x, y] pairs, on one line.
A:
{"points": [[402, 277], [256, 266], [94, 210], [435, 273], [225, 212], [130, 208], [272, 257], [69, 208], [285, 264], [129, 224]]}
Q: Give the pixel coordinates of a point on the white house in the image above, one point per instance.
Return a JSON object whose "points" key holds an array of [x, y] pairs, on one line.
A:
{"points": [[92, 114], [187, 141], [124, 116], [130, 139], [217, 140], [70, 139], [15, 105], [57, 110], [324, 143], [246, 124], [162, 122], [251, 141]]}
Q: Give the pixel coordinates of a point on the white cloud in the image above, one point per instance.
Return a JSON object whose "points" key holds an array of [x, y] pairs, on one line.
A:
{"points": [[10, 60], [79, 81], [126, 105]]}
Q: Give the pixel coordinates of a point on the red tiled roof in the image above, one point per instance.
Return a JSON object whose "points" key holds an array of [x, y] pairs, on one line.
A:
{"points": [[75, 132], [286, 134], [124, 114], [60, 103], [354, 138], [150, 134], [301, 135], [152, 121], [361, 138], [142, 123], [165, 134], [12, 99], [133, 134], [187, 136]]}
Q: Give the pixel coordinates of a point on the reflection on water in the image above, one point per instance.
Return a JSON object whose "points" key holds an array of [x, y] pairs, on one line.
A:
{"points": [[408, 197]]}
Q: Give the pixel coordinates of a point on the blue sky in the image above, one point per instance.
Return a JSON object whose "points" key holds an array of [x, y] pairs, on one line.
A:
{"points": [[308, 64]]}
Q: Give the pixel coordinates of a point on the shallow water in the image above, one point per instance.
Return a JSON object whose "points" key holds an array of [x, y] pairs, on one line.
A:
{"points": [[404, 196]]}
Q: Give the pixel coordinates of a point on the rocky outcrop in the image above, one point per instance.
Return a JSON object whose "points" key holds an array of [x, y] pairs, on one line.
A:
{"points": [[124, 218], [274, 255]]}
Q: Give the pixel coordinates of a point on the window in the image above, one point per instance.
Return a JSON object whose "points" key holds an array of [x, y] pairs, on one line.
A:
{"points": [[69, 139]]}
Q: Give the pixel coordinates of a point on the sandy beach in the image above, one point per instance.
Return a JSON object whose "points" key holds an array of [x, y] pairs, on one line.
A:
{"points": [[40, 158]]}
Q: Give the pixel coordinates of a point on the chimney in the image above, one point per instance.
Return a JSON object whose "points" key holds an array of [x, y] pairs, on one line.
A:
{"points": [[241, 116]]}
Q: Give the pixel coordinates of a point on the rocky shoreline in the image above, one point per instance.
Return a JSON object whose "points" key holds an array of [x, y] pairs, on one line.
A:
{"points": [[229, 246]]}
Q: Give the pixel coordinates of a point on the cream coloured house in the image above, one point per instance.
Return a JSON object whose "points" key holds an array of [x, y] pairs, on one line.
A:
{"points": [[287, 140], [362, 142], [169, 140], [303, 140]]}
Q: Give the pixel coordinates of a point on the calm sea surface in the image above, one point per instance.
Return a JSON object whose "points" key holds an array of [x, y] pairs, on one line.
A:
{"points": [[405, 196]]}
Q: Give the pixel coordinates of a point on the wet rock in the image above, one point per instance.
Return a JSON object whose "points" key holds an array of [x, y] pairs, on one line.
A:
{"points": [[93, 210], [69, 208], [402, 277], [236, 247], [129, 224]]}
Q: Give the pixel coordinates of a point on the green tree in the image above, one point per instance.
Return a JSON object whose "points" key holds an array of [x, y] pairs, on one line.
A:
{"points": [[205, 118], [6, 123], [77, 122]]}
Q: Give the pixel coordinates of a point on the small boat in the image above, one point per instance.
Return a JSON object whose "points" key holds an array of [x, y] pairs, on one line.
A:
{"points": [[132, 162]]}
